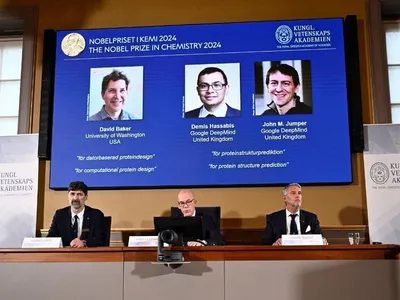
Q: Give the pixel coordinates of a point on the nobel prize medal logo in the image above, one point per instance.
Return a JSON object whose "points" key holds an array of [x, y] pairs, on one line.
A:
{"points": [[283, 34], [379, 173], [73, 44]]}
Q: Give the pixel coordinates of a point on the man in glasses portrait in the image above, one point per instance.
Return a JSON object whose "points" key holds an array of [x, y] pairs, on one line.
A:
{"points": [[187, 206], [212, 88]]}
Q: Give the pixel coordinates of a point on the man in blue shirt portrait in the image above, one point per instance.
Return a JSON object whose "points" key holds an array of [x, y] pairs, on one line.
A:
{"points": [[114, 91]]}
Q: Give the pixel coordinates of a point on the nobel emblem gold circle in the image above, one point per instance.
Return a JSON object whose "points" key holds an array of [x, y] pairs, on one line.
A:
{"points": [[73, 44]]}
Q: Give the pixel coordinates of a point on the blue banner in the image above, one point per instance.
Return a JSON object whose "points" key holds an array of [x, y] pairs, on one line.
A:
{"points": [[201, 105]]}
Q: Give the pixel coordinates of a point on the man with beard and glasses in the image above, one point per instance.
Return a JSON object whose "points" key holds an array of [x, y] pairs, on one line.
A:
{"points": [[78, 225], [292, 219]]}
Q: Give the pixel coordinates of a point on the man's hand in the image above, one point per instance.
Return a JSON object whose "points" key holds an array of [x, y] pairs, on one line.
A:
{"points": [[77, 243], [325, 241], [278, 242], [191, 244]]}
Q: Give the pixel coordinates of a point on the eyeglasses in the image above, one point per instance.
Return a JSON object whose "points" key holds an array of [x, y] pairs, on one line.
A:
{"points": [[217, 86], [185, 203]]}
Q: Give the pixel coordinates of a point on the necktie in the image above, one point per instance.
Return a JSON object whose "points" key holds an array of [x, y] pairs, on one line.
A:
{"points": [[75, 228], [293, 226], [210, 116]]}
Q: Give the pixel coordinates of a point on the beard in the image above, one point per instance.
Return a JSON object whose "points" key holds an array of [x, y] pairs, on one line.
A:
{"points": [[76, 204], [293, 203]]}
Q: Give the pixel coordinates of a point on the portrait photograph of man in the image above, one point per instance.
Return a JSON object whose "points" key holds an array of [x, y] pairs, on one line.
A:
{"points": [[212, 91], [282, 88], [116, 93]]}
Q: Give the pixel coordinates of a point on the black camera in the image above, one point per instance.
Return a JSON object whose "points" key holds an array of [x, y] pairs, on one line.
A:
{"points": [[169, 237]]}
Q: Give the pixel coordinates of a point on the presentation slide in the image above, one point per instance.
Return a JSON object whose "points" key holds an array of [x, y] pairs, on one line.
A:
{"points": [[233, 104]]}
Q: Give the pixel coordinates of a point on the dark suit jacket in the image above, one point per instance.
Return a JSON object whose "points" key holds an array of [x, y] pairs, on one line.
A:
{"points": [[231, 112], [92, 228], [277, 225], [212, 235]]}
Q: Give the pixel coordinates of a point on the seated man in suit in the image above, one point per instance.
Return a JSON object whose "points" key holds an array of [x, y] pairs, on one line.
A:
{"points": [[187, 206], [290, 220], [78, 225], [212, 87]]}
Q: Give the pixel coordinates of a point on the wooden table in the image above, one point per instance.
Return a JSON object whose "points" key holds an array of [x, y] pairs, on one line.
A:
{"points": [[230, 272]]}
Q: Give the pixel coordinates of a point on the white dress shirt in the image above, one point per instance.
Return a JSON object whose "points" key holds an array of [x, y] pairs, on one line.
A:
{"points": [[220, 112], [80, 221], [289, 219]]}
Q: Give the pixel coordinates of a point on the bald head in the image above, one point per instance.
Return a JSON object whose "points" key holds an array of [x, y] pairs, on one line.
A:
{"points": [[186, 202], [183, 194]]}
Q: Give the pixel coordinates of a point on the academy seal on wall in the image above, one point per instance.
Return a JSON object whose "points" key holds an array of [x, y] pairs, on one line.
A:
{"points": [[379, 173], [283, 34]]}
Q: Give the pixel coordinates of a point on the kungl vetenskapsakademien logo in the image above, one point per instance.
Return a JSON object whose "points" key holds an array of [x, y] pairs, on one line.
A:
{"points": [[283, 34], [379, 173]]}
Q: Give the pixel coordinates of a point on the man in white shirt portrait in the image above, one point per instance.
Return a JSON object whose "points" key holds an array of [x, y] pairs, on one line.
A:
{"points": [[212, 88]]}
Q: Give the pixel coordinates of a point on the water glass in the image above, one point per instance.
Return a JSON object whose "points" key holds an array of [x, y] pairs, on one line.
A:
{"points": [[351, 238], [356, 238]]}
